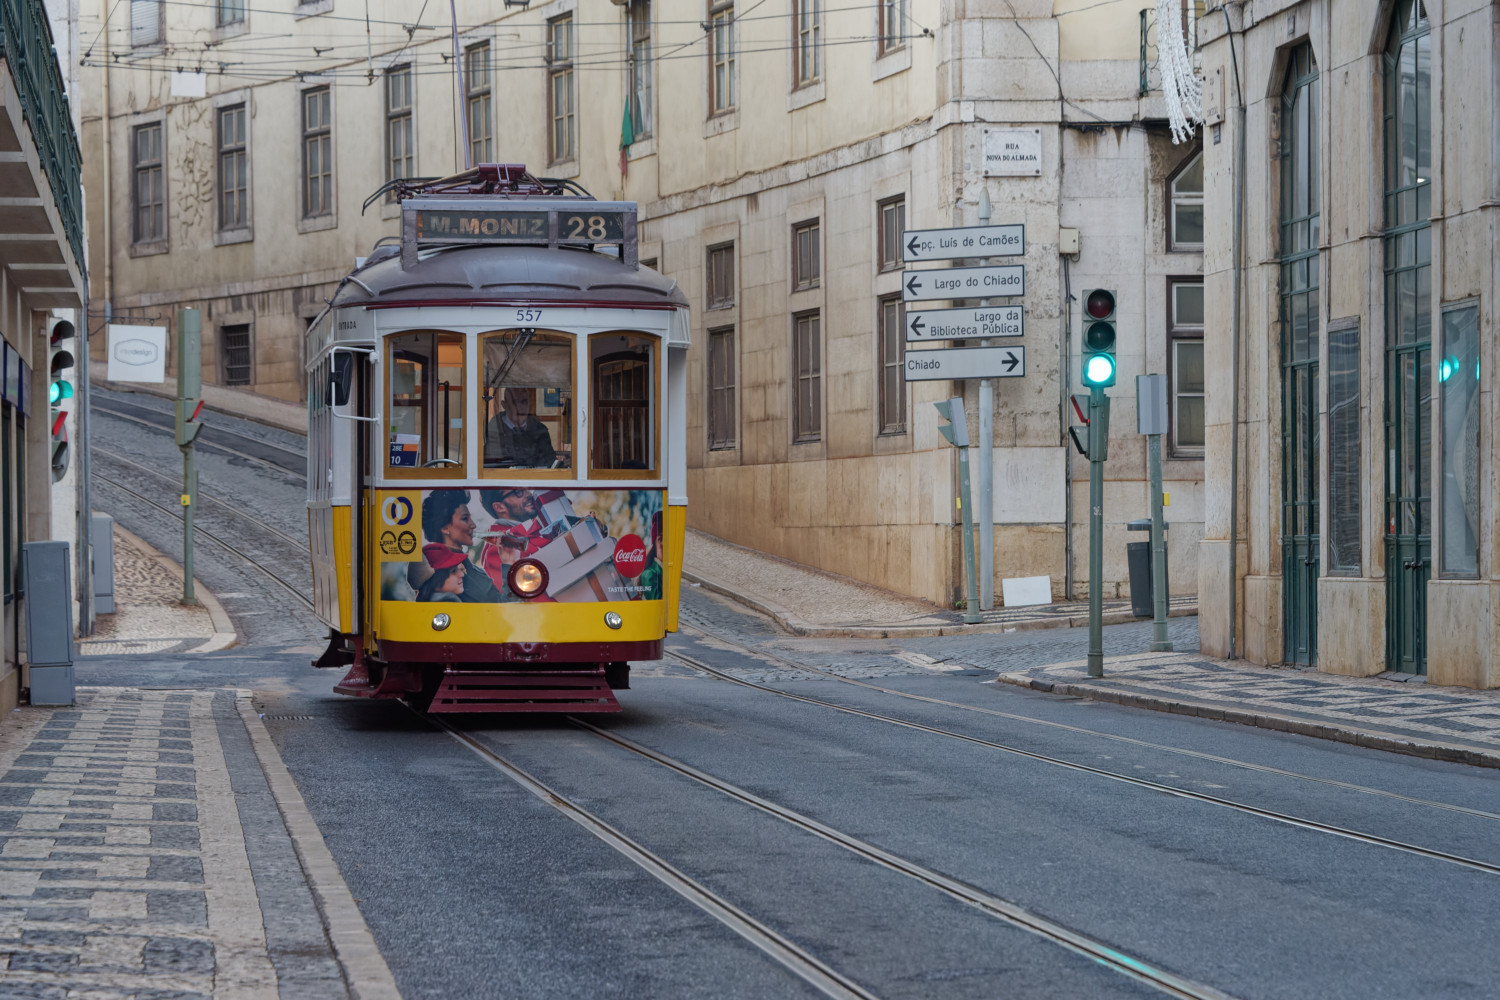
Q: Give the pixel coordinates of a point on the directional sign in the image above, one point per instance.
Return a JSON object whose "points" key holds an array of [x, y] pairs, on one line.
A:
{"points": [[965, 362], [963, 282], [968, 241], [965, 324]]}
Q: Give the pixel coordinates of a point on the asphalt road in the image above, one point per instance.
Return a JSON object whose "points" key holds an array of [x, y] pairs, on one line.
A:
{"points": [[475, 887]]}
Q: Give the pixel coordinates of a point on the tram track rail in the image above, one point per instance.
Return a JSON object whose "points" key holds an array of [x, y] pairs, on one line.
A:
{"points": [[280, 458], [1174, 791], [763, 654], [228, 546]]}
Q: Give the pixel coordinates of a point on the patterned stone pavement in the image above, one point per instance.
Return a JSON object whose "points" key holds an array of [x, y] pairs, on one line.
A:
{"points": [[149, 616], [125, 871], [1448, 723]]}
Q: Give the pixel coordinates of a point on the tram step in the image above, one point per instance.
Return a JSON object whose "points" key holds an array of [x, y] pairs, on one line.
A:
{"points": [[524, 691]]}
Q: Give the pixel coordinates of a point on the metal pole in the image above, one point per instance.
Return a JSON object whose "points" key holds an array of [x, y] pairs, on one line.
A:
{"points": [[1098, 432], [189, 385], [458, 90], [986, 512], [1159, 641], [971, 604], [188, 597]]}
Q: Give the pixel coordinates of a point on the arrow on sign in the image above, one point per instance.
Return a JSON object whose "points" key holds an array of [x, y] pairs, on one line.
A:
{"points": [[1011, 361], [911, 248], [913, 285], [917, 326]]}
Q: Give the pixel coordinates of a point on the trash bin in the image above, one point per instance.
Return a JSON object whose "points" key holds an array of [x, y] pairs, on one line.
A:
{"points": [[1138, 561]]}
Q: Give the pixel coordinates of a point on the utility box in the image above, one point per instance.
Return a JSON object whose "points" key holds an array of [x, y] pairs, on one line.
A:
{"points": [[47, 582], [103, 537]]}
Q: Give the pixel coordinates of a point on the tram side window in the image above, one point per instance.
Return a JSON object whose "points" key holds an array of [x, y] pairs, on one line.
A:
{"points": [[426, 401], [623, 379], [528, 400]]}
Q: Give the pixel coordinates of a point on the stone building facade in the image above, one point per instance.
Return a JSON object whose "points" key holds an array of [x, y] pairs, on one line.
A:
{"points": [[776, 151], [1351, 497]]}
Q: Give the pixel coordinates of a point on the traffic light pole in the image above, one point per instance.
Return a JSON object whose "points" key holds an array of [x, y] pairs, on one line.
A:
{"points": [[1098, 452], [986, 512], [1159, 641], [189, 386], [972, 614]]}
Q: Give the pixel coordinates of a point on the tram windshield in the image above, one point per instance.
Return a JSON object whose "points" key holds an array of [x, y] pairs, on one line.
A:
{"points": [[426, 401], [528, 400], [623, 382]]}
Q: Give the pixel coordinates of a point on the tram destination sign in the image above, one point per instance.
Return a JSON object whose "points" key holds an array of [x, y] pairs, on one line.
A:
{"points": [[965, 362], [964, 324], [963, 282], [967, 241], [546, 222]]}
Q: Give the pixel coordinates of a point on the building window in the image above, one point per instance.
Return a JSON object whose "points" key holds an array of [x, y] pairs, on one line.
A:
{"points": [[1185, 340], [807, 59], [721, 276], [892, 222], [1343, 447], [145, 22], [721, 423], [150, 183], [1187, 206], [234, 186], [806, 270], [234, 350], [317, 152], [892, 25], [477, 91], [399, 154], [1458, 388], [639, 16], [560, 104], [807, 368], [722, 39], [892, 361], [231, 12]]}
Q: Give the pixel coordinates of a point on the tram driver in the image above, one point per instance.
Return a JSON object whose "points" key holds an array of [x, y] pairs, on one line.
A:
{"points": [[515, 438]]}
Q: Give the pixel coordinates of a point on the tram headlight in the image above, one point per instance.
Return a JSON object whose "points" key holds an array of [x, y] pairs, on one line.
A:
{"points": [[613, 620], [527, 578], [440, 621]]}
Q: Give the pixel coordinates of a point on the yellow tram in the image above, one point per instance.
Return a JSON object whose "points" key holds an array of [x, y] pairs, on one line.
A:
{"points": [[496, 467]]}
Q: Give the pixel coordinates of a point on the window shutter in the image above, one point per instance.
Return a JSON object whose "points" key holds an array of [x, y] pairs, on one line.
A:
{"points": [[145, 22]]}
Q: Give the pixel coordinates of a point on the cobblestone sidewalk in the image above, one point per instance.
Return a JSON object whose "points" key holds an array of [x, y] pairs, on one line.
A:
{"points": [[149, 616], [1444, 723], [809, 602], [127, 873]]}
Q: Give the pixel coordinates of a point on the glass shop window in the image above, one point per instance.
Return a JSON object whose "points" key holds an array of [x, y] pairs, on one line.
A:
{"points": [[623, 383], [426, 402], [528, 400]]}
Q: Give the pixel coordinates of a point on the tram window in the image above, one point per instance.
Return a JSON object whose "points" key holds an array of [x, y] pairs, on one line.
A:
{"points": [[528, 400], [623, 380], [426, 410]]}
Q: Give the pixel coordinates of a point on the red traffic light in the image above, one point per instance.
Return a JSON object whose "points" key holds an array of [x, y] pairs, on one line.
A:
{"points": [[1100, 304]]}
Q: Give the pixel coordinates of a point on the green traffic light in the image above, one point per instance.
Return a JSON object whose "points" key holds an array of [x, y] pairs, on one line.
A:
{"points": [[1099, 370], [58, 391]]}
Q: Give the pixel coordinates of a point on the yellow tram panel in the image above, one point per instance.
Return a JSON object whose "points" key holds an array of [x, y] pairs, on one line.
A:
{"points": [[532, 622]]}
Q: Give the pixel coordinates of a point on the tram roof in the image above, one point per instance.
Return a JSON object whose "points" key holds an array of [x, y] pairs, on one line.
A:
{"points": [[506, 273]]}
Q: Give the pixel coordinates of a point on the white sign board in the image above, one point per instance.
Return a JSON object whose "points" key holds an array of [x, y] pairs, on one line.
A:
{"points": [[967, 241], [965, 362], [963, 282], [964, 324], [1012, 152], [137, 353]]}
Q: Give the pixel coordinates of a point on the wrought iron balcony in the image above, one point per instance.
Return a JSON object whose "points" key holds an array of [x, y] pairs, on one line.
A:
{"points": [[26, 46]]}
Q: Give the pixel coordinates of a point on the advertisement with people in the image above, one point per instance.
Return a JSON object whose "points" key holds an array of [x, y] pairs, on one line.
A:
{"points": [[464, 544]]}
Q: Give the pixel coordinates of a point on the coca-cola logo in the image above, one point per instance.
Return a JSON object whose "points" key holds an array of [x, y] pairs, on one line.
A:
{"points": [[630, 556]]}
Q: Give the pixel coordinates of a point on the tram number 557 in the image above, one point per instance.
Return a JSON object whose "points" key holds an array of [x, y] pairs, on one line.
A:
{"points": [[528, 315]]}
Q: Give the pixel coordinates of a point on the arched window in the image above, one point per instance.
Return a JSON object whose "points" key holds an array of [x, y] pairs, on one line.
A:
{"points": [[1300, 328], [1185, 221]]}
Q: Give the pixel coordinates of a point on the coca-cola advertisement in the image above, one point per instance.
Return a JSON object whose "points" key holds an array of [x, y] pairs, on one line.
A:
{"points": [[464, 544]]}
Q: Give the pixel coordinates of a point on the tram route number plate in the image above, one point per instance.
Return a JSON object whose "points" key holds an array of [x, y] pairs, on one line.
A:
{"points": [[507, 226]]}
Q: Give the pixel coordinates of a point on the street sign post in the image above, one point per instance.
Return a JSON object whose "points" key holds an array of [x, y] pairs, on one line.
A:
{"points": [[965, 241], [965, 362], [963, 282], [923, 325]]}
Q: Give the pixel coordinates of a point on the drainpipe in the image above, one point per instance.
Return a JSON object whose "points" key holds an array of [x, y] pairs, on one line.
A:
{"points": [[1234, 367]]}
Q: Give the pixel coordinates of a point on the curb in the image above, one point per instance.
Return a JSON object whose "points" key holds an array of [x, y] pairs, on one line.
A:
{"points": [[224, 634], [1335, 732], [796, 626]]}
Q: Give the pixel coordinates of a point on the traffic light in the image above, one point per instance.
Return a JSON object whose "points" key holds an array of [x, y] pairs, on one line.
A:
{"points": [[956, 430], [1092, 439], [1099, 338], [60, 391]]}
